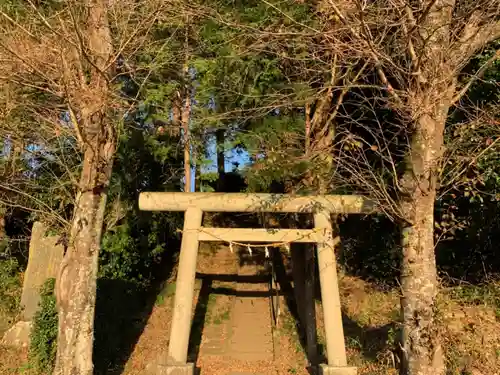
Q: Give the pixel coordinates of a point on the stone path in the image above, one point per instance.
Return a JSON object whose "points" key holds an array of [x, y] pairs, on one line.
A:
{"points": [[222, 265], [251, 338], [238, 328]]}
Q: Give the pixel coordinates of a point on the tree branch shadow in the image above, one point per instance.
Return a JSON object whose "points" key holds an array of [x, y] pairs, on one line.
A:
{"points": [[371, 342], [199, 319]]}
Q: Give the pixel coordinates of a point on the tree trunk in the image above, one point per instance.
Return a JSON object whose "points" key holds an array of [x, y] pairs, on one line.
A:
{"points": [[175, 129], [310, 306], [421, 344], [76, 282], [186, 113], [303, 286], [221, 159], [3, 234], [197, 177], [303, 259], [297, 252], [422, 352]]}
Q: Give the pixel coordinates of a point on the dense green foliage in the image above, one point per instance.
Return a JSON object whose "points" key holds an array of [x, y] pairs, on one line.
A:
{"points": [[467, 211], [135, 241]]}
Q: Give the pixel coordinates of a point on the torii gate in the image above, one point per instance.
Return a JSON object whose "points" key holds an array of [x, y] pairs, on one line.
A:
{"points": [[194, 204]]}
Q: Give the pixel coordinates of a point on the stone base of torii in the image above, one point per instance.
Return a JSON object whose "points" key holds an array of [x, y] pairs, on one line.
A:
{"points": [[174, 361]]}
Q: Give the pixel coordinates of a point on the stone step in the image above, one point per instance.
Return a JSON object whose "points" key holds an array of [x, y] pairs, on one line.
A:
{"points": [[251, 329], [247, 335]]}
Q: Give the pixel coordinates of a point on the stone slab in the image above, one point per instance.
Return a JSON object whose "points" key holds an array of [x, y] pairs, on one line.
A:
{"points": [[337, 370], [18, 335], [44, 259]]}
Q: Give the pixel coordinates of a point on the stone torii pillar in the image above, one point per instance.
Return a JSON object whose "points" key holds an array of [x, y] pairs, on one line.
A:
{"points": [[194, 204]]}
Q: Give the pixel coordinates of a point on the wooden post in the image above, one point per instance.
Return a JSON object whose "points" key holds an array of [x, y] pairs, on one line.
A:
{"points": [[334, 332], [298, 274], [184, 292], [303, 279], [310, 307]]}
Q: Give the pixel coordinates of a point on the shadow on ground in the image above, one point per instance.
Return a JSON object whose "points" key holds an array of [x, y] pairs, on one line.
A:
{"points": [[199, 318], [370, 341], [122, 312]]}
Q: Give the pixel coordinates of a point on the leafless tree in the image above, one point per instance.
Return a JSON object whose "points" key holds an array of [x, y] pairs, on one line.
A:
{"points": [[63, 62], [418, 50]]}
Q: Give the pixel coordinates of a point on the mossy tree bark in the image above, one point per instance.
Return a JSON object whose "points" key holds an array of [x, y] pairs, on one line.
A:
{"points": [[422, 350]]}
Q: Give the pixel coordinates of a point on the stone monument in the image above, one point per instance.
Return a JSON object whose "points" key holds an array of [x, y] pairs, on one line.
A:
{"points": [[45, 256]]}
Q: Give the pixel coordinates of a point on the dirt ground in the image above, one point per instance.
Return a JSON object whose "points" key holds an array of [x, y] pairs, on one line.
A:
{"points": [[470, 331]]}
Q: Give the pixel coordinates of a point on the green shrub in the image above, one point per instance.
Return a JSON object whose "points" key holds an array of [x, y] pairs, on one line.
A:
{"points": [[43, 345], [10, 286]]}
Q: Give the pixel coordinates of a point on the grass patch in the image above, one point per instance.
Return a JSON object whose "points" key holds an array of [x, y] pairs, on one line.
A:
{"points": [[211, 301], [221, 317], [469, 316], [10, 292], [484, 294], [289, 329], [166, 293], [43, 338]]}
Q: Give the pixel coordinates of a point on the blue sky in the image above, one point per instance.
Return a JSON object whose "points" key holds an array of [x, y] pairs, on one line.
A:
{"points": [[242, 158], [232, 156]]}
